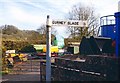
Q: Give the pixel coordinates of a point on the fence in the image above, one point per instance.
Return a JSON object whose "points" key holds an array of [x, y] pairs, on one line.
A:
{"points": [[95, 68]]}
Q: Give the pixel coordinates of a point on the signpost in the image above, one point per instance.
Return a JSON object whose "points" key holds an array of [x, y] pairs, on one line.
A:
{"points": [[74, 23], [48, 53]]}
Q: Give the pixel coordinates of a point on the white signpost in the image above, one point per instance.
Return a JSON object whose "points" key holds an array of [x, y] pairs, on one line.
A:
{"points": [[75, 23]]}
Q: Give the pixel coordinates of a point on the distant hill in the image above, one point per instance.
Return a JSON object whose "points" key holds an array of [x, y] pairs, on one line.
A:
{"points": [[12, 33], [14, 38]]}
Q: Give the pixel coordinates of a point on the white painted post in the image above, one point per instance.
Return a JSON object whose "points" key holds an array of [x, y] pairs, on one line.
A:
{"points": [[48, 52]]}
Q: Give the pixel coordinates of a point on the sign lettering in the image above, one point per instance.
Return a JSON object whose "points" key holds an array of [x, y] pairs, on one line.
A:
{"points": [[75, 23]]}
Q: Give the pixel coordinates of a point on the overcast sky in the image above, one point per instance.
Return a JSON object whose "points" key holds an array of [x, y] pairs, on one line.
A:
{"points": [[30, 14]]}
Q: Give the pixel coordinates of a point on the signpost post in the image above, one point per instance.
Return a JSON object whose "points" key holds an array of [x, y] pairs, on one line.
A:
{"points": [[48, 53], [75, 23]]}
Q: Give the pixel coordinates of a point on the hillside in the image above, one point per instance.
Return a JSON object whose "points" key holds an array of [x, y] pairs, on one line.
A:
{"points": [[14, 38], [10, 32]]}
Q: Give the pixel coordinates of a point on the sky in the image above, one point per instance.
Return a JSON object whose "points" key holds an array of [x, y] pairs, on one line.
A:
{"points": [[31, 14]]}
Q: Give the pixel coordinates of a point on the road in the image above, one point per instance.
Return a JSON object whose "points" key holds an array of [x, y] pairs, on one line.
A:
{"points": [[27, 71]]}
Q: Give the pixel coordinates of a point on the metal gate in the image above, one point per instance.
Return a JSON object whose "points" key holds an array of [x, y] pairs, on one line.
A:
{"points": [[26, 67]]}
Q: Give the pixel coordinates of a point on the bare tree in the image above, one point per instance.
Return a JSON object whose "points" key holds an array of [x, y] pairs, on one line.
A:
{"points": [[85, 13], [42, 29]]}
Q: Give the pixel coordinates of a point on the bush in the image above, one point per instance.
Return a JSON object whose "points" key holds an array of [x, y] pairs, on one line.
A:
{"points": [[28, 49]]}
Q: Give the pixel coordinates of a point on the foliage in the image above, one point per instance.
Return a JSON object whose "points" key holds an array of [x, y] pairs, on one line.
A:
{"points": [[17, 45], [28, 49], [4, 61], [13, 38], [11, 32]]}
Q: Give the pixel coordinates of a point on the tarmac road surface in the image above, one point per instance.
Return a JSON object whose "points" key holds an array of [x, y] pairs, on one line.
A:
{"points": [[27, 71]]}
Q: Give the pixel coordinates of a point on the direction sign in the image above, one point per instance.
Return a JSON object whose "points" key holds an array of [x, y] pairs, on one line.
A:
{"points": [[49, 23], [75, 23]]}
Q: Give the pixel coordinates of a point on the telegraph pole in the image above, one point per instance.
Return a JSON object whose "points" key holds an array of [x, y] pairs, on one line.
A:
{"points": [[48, 53]]}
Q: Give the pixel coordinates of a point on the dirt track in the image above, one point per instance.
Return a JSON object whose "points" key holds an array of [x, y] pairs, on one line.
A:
{"points": [[27, 71]]}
